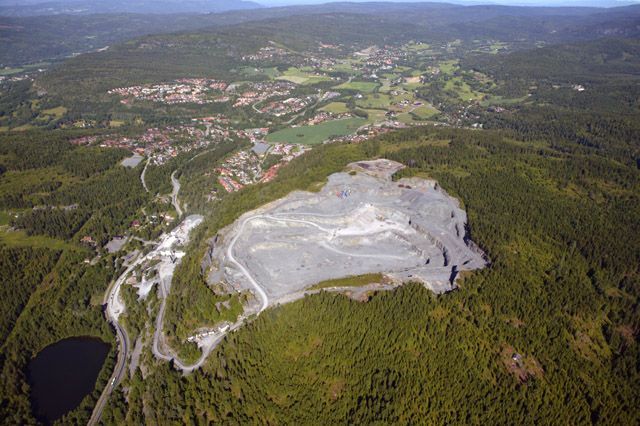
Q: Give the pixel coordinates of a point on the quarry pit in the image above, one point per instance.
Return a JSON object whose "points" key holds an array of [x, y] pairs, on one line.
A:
{"points": [[360, 222]]}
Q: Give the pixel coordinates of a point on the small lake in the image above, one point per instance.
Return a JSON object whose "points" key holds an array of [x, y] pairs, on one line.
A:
{"points": [[62, 374]]}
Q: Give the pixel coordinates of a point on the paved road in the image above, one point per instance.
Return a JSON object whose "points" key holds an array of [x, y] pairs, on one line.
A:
{"points": [[113, 310], [161, 352], [123, 353], [117, 376], [174, 194], [142, 175], [255, 107], [259, 290]]}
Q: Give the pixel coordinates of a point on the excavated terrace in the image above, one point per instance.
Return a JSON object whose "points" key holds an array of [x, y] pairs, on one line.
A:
{"points": [[361, 222]]}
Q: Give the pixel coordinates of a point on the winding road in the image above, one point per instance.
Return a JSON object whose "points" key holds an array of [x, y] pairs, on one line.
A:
{"points": [[174, 195], [115, 307], [254, 283], [142, 176], [123, 343]]}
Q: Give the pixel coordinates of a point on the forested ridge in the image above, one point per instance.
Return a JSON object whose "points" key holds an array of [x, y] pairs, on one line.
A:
{"points": [[547, 333], [56, 194], [559, 225], [584, 93]]}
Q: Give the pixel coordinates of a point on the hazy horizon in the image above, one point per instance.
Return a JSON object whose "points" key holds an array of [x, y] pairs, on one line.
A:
{"points": [[591, 3]]}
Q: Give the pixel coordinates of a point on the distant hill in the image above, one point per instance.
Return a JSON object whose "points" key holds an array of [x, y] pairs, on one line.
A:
{"points": [[86, 7], [37, 38], [593, 61]]}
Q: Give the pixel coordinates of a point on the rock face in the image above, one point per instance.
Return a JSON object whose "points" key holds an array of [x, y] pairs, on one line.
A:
{"points": [[359, 223], [207, 260]]}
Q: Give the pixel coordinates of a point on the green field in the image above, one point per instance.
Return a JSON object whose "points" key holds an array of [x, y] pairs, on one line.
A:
{"points": [[5, 218], [23, 128], [312, 135], [20, 239], [335, 108], [302, 76], [57, 112], [499, 100], [375, 115], [425, 111], [271, 72], [386, 83], [415, 47], [358, 86], [417, 115], [412, 86], [497, 46], [448, 67], [345, 67], [463, 90], [353, 281], [10, 71], [375, 101]]}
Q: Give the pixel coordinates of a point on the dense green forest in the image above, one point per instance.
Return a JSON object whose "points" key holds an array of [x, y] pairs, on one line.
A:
{"points": [[25, 270], [56, 193], [585, 93], [549, 175], [559, 226]]}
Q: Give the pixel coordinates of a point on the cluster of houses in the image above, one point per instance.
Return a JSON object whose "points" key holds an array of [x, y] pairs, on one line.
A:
{"points": [[186, 90], [324, 116], [245, 167], [287, 106], [162, 144], [266, 54], [242, 168], [261, 91]]}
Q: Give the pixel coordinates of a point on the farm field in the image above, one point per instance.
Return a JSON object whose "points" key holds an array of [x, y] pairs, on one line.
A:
{"points": [[335, 108], [375, 115], [359, 86], [448, 67], [463, 90], [425, 111], [313, 135], [497, 47], [376, 101], [499, 100], [418, 47], [301, 76], [271, 72], [57, 112], [344, 67], [10, 71], [5, 218]]}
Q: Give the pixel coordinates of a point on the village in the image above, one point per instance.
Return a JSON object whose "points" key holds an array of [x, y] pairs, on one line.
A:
{"points": [[188, 90], [252, 93], [363, 94], [248, 166], [160, 145]]}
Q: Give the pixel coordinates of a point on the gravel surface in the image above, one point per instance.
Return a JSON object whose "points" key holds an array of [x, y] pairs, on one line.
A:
{"points": [[361, 222]]}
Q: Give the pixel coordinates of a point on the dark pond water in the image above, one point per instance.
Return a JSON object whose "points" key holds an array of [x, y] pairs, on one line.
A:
{"points": [[62, 374]]}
